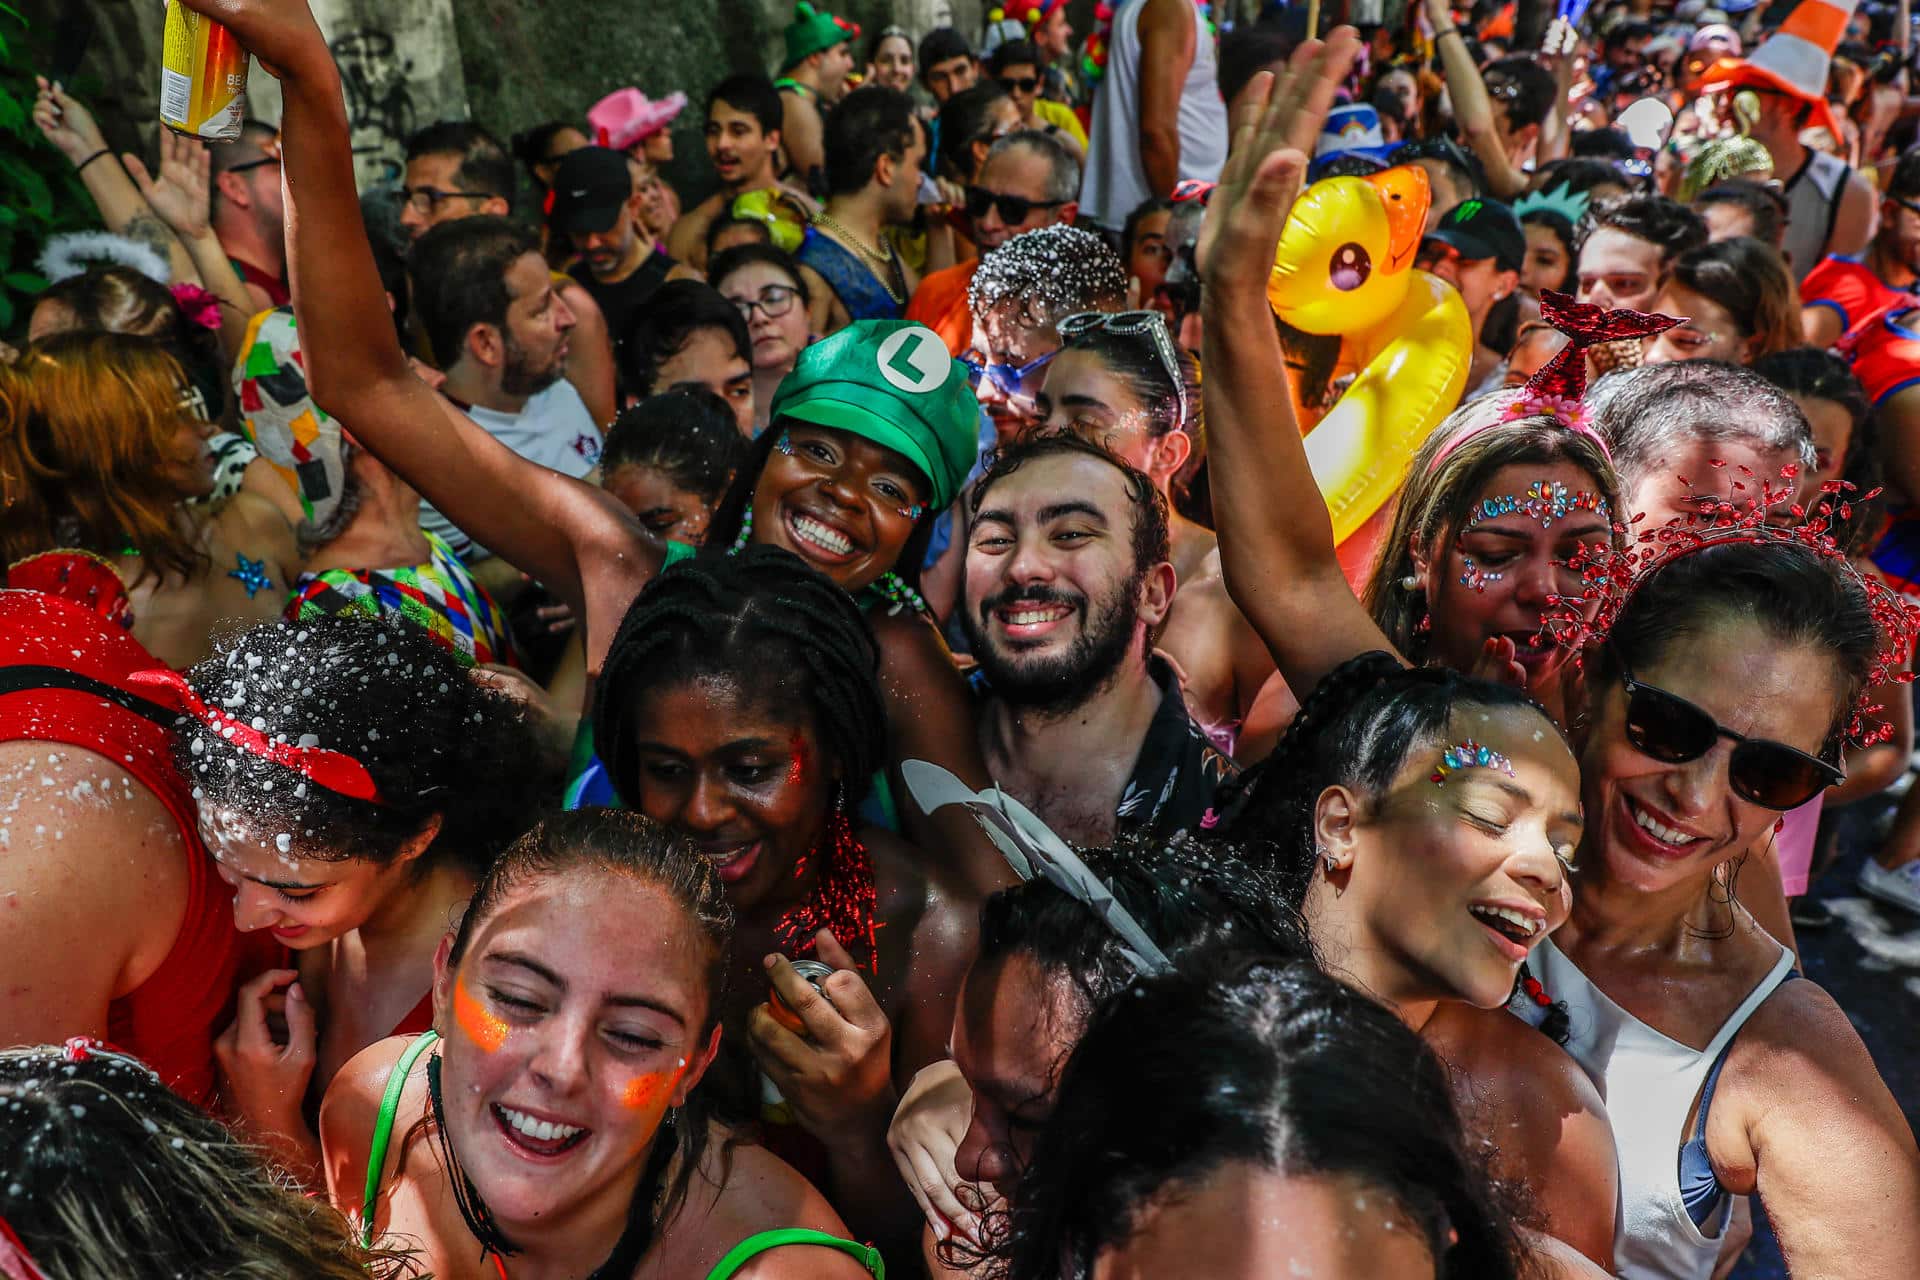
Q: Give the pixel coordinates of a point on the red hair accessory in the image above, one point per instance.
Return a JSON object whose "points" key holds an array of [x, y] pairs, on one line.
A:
{"points": [[1558, 389], [1610, 577], [198, 305], [15, 1262], [334, 770]]}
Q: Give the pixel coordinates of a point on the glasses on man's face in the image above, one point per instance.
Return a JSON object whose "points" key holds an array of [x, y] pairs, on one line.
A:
{"points": [[774, 301], [1013, 209], [1012, 381], [428, 200], [1020, 84], [1151, 324], [1668, 728], [269, 154]]}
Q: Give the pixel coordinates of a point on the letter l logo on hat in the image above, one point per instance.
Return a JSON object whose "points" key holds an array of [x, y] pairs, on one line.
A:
{"points": [[914, 360]]}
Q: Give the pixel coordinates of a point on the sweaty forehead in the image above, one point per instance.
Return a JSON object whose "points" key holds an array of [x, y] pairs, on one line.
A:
{"points": [[1040, 483]]}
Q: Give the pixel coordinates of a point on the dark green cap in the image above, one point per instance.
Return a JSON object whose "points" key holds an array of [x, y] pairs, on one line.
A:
{"points": [[892, 382]]}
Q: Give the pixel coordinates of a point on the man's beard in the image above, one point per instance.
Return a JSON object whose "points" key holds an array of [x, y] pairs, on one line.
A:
{"points": [[518, 377], [1059, 682]]}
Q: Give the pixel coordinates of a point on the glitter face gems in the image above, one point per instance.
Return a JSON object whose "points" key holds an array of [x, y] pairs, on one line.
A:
{"points": [[1475, 577], [1468, 755], [484, 1027], [1547, 501]]}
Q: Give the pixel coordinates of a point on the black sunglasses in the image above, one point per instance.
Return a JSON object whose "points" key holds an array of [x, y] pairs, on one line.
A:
{"points": [[1012, 208], [1672, 730], [1019, 84]]}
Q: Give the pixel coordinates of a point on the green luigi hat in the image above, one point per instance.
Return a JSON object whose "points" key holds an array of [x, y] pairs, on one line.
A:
{"points": [[892, 382], [813, 30]]}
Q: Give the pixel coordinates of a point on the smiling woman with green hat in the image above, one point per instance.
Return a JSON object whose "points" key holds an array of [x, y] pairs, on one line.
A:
{"points": [[871, 436]]}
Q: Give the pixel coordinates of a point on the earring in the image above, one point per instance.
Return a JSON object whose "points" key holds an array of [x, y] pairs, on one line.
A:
{"points": [[1409, 583], [746, 531], [1326, 856]]}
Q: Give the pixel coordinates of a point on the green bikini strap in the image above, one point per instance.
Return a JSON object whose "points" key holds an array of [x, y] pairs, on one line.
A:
{"points": [[383, 1127], [753, 1246]]}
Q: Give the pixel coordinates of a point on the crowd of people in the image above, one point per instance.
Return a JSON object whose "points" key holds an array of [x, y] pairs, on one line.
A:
{"points": [[843, 725]]}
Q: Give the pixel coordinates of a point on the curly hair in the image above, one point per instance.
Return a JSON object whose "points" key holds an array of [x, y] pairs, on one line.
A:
{"points": [[762, 617], [105, 1173], [89, 443], [437, 741], [1260, 1060]]}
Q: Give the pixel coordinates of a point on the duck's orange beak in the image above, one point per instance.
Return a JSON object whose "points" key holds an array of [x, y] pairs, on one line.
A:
{"points": [[1406, 193]]}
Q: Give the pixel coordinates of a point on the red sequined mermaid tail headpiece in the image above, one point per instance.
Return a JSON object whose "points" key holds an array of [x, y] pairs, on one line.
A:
{"points": [[1610, 576], [1558, 389]]}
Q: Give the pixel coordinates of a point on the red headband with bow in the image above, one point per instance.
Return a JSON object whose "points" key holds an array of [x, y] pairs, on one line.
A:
{"points": [[334, 770]]}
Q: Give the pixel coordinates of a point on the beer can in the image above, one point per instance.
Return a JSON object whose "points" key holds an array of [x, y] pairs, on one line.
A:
{"points": [[816, 974], [203, 77]]}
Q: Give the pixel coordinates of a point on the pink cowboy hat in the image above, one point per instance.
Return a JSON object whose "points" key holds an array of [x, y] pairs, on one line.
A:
{"points": [[626, 117]]}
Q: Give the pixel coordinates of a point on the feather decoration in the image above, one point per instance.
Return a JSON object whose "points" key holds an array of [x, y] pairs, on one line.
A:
{"points": [[1031, 848]]}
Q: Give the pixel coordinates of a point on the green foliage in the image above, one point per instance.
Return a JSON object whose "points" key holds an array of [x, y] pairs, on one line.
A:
{"points": [[40, 196]]}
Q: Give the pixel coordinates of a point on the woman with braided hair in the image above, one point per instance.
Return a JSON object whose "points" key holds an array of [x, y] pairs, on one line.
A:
{"points": [[871, 437], [739, 707], [1723, 663]]}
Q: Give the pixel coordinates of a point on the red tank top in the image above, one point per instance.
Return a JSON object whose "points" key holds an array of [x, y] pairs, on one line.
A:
{"points": [[171, 1019], [275, 288]]}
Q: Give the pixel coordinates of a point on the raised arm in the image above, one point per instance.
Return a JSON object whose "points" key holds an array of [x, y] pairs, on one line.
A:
{"points": [[65, 122], [1276, 540], [181, 194], [569, 535], [1471, 105]]}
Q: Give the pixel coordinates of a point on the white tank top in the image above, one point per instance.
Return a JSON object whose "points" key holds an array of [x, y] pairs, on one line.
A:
{"points": [[1648, 1082], [1813, 201], [1116, 182]]}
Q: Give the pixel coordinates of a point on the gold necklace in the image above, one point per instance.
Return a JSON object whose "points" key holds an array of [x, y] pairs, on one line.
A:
{"points": [[890, 260]]}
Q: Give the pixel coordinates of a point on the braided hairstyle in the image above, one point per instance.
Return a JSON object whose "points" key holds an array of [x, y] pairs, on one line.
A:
{"points": [[766, 620], [106, 1173], [435, 739], [1355, 729]]}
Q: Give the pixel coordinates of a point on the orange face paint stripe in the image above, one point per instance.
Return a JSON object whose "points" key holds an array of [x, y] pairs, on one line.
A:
{"points": [[643, 1091], [484, 1027]]}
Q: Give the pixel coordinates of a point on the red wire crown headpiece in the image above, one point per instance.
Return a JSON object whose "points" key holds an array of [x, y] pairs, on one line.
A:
{"points": [[1610, 577]]}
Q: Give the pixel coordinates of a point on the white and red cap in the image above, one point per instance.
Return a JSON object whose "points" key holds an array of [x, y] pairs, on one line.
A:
{"points": [[1794, 60]]}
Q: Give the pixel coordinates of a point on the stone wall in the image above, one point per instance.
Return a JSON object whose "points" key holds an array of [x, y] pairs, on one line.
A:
{"points": [[509, 63]]}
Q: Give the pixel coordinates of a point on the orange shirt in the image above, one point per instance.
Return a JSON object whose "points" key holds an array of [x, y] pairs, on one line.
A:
{"points": [[940, 303]]}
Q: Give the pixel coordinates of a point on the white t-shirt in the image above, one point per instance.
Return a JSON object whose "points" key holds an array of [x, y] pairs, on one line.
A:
{"points": [[555, 430]]}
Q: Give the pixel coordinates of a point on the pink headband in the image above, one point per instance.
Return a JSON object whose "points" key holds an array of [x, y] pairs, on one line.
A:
{"points": [[334, 770], [1558, 389]]}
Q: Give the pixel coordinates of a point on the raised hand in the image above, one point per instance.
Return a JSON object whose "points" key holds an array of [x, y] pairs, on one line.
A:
{"points": [[281, 33], [182, 194], [66, 123], [1275, 126]]}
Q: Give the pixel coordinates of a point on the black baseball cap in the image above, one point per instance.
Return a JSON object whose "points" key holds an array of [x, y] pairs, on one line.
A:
{"points": [[591, 187], [1479, 229]]}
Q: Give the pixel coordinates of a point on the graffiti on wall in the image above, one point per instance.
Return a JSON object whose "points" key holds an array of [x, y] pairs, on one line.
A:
{"points": [[380, 108]]}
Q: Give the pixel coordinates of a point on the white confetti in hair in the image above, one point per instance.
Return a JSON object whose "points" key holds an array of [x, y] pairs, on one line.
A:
{"points": [[1051, 272]]}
